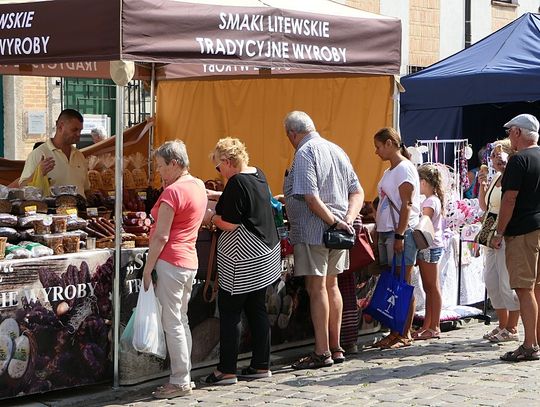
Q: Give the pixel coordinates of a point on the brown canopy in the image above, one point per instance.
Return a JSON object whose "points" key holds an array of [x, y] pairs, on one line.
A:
{"points": [[324, 37]]}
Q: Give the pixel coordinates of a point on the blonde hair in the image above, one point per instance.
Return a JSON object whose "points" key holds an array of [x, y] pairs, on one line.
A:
{"points": [[505, 144], [431, 174], [231, 149]]}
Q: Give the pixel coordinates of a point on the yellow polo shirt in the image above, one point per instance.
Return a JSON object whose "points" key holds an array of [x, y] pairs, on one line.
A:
{"points": [[65, 172]]}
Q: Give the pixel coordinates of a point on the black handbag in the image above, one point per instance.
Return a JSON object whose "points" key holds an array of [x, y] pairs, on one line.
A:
{"points": [[338, 238]]}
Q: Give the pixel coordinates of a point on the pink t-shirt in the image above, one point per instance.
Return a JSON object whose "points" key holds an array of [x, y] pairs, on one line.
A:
{"points": [[434, 203], [188, 199]]}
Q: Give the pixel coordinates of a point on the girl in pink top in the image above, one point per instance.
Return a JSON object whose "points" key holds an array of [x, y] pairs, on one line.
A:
{"points": [[178, 213], [428, 259]]}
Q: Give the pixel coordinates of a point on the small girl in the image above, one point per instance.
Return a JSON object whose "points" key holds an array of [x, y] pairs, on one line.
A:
{"points": [[428, 259]]}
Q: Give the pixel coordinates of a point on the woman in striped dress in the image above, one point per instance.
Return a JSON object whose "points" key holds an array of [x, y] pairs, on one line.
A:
{"points": [[248, 258]]}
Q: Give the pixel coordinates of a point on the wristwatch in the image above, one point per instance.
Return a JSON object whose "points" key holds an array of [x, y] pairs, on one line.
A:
{"points": [[397, 236]]}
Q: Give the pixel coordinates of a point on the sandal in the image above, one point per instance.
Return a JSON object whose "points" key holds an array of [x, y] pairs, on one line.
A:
{"points": [[494, 332], [398, 342], [314, 361], [251, 373], [426, 334], [522, 354], [338, 350], [219, 380], [385, 341], [169, 391]]}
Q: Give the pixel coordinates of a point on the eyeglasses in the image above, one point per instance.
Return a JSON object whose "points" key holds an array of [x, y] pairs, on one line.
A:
{"points": [[217, 166], [507, 131]]}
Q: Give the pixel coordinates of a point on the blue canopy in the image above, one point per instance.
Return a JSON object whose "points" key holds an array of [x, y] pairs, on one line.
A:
{"points": [[503, 67]]}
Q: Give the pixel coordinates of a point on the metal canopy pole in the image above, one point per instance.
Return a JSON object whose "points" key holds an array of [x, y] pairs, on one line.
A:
{"points": [[151, 131], [118, 174]]}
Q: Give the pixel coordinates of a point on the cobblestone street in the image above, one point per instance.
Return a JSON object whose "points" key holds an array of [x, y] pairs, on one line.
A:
{"points": [[460, 368]]}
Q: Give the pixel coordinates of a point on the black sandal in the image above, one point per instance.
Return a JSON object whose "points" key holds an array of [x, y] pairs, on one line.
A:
{"points": [[313, 361], [338, 359], [522, 354]]}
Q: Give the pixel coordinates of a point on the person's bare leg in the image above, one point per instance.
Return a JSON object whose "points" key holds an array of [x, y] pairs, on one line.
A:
{"points": [[513, 319], [430, 282], [529, 315], [318, 302], [502, 316], [335, 303]]}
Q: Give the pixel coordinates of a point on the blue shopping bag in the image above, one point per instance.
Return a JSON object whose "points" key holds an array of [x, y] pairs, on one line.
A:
{"points": [[391, 299]]}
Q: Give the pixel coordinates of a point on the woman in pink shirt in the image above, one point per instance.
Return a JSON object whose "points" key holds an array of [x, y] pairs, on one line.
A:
{"points": [[178, 213]]}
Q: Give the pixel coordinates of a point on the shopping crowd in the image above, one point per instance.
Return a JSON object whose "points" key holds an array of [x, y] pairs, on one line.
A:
{"points": [[322, 191]]}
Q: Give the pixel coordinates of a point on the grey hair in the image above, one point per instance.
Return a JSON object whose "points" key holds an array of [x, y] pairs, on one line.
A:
{"points": [[531, 135], [173, 150], [100, 131], [299, 122]]}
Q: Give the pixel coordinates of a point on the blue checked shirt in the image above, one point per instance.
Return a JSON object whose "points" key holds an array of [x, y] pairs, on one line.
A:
{"points": [[319, 168]]}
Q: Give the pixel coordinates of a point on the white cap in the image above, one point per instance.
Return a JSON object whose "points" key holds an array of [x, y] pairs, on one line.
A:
{"points": [[524, 121]]}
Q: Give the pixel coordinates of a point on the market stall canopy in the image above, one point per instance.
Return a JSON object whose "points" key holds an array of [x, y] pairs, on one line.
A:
{"points": [[503, 67], [303, 34]]}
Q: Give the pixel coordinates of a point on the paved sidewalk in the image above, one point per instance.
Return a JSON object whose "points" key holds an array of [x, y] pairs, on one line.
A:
{"points": [[459, 369]]}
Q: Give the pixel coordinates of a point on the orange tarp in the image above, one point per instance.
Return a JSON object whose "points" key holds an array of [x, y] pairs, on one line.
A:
{"points": [[346, 110]]}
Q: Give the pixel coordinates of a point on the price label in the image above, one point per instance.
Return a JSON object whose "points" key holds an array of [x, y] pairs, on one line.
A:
{"points": [[71, 212], [30, 210], [92, 212], [111, 194], [142, 195]]}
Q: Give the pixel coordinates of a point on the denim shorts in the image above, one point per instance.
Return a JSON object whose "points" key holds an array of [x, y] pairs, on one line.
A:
{"points": [[432, 255], [386, 248]]}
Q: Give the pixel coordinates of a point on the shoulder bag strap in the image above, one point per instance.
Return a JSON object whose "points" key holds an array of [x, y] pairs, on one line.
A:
{"points": [[209, 271], [396, 224], [491, 188]]}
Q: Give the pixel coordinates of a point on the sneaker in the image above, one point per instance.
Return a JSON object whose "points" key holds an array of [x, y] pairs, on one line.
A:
{"points": [[504, 336], [251, 373], [490, 334]]}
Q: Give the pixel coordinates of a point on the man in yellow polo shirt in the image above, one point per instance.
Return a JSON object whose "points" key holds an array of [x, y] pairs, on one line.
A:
{"points": [[58, 158]]}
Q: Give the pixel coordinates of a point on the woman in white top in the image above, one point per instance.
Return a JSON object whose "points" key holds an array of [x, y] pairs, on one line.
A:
{"points": [[503, 299], [398, 213]]}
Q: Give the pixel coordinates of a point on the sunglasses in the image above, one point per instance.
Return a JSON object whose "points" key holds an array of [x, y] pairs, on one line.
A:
{"points": [[217, 166]]}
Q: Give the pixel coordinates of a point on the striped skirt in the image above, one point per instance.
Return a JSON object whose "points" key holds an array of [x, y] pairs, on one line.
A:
{"points": [[245, 263]]}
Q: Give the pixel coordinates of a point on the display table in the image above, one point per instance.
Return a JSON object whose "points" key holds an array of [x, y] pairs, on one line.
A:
{"points": [[57, 311]]}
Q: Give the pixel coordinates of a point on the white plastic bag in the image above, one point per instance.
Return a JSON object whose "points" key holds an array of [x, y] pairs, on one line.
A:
{"points": [[148, 335]]}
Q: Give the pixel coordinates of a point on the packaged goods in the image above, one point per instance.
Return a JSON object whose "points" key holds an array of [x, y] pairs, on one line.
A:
{"points": [[64, 190], [55, 242], [129, 182], [26, 222], [32, 194], [59, 224], [107, 175], [37, 249], [11, 234], [71, 243], [94, 176], [76, 223], [16, 194], [42, 226], [8, 220], [4, 192], [140, 177], [17, 252]]}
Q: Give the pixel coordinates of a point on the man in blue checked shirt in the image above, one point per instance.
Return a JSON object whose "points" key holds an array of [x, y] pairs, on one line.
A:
{"points": [[321, 190]]}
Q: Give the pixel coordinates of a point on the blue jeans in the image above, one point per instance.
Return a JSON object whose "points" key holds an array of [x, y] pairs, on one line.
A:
{"points": [[386, 248]]}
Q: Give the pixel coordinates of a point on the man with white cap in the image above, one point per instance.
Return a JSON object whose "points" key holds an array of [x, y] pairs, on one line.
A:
{"points": [[519, 223]]}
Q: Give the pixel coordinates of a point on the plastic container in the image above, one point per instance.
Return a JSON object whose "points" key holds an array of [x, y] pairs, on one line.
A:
{"points": [[3, 241], [59, 223], [90, 243], [57, 190], [55, 242], [41, 226], [71, 243]]}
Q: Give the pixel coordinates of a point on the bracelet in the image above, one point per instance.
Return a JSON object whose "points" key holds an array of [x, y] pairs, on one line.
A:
{"points": [[397, 236]]}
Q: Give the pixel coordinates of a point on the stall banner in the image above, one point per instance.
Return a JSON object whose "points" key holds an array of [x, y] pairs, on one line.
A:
{"points": [[55, 322]]}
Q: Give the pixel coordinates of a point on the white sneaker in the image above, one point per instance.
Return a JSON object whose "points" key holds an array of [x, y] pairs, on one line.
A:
{"points": [[491, 334], [504, 336]]}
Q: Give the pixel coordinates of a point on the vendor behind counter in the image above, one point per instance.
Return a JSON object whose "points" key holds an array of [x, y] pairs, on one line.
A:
{"points": [[57, 158]]}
